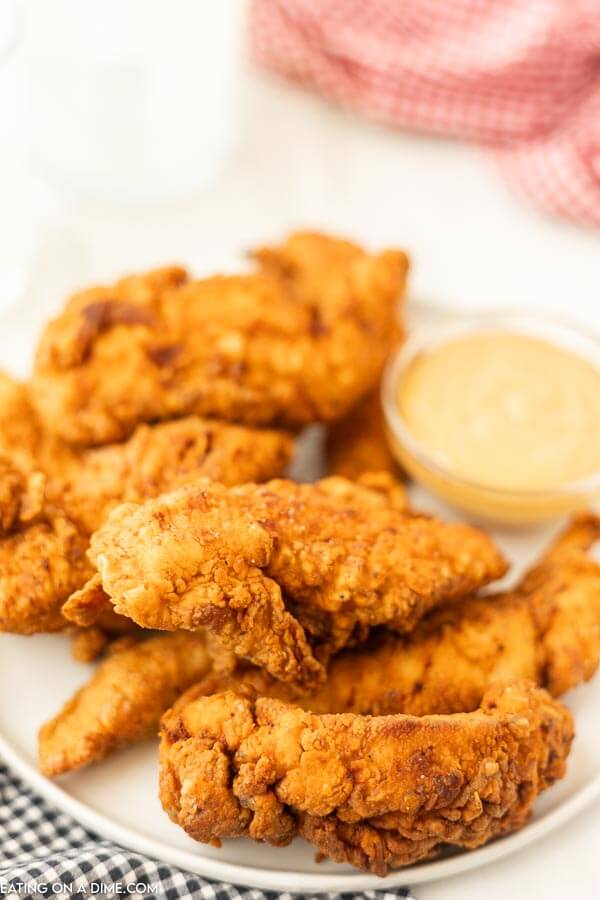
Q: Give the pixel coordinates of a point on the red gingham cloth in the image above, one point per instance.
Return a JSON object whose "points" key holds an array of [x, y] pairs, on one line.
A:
{"points": [[520, 75]]}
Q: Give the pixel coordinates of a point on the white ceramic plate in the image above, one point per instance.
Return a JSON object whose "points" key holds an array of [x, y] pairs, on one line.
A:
{"points": [[118, 797]]}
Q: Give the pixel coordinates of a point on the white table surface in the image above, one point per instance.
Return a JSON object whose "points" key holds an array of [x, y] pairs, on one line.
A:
{"points": [[474, 244]]}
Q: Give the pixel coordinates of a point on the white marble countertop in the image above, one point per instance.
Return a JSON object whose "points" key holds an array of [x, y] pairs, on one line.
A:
{"points": [[474, 244]]}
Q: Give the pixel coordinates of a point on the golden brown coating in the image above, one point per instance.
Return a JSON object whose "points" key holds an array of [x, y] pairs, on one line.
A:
{"points": [[563, 594], [299, 340], [22, 438], [358, 443], [386, 484], [162, 457], [347, 559], [20, 435], [547, 630], [375, 792], [112, 632], [40, 566], [122, 702], [89, 643], [45, 562], [179, 578], [22, 495], [224, 559]]}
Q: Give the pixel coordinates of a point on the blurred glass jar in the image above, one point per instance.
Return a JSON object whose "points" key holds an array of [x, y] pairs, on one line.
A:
{"points": [[133, 101]]}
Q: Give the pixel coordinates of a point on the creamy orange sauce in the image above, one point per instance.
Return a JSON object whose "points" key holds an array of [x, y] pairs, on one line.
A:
{"points": [[505, 410]]}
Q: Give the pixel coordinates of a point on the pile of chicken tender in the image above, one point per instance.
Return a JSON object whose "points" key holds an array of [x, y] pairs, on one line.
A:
{"points": [[318, 659]]}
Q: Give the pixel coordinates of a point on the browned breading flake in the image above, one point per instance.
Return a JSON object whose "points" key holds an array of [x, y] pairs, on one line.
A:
{"points": [[299, 340], [123, 701], [45, 562], [376, 792], [546, 630], [231, 560]]}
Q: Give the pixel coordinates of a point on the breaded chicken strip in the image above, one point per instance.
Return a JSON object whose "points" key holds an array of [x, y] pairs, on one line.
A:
{"points": [[299, 340], [375, 792], [224, 559], [89, 644], [563, 594], [23, 441], [20, 433], [22, 495], [358, 443], [123, 701], [42, 558], [547, 630], [387, 485], [163, 457], [42, 564]]}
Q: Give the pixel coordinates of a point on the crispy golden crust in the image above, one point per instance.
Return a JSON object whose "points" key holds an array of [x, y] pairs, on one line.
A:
{"points": [[123, 701], [376, 792], [563, 594], [387, 485], [23, 441], [20, 433], [546, 631], [186, 578], [81, 492], [89, 643], [300, 340], [112, 632], [40, 567], [224, 558], [358, 444], [22, 495], [163, 457]]}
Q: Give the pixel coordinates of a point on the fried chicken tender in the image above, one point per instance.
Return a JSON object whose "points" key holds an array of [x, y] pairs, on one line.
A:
{"points": [[163, 457], [43, 564], [375, 792], [358, 444], [299, 340], [90, 643], [547, 630], [21, 495], [225, 559], [384, 483], [111, 632], [123, 701], [40, 567], [42, 559], [23, 441], [20, 434]]}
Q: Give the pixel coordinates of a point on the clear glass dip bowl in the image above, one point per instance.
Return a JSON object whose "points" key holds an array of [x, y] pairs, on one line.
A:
{"points": [[496, 504]]}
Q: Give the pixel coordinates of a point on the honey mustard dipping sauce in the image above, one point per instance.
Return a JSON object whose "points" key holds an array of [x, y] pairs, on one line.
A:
{"points": [[502, 423]]}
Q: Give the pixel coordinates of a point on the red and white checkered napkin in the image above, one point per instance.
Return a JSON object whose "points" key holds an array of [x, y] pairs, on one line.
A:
{"points": [[522, 76]]}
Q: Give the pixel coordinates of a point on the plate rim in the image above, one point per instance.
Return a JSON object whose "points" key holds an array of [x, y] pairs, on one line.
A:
{"points": [[281, 879]]}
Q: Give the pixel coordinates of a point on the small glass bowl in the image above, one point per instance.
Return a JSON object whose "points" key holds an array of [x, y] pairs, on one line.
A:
{"points": [[500, 505]]}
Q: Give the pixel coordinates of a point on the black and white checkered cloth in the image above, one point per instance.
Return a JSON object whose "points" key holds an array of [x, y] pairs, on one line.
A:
{"points": [[45, 853]]}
